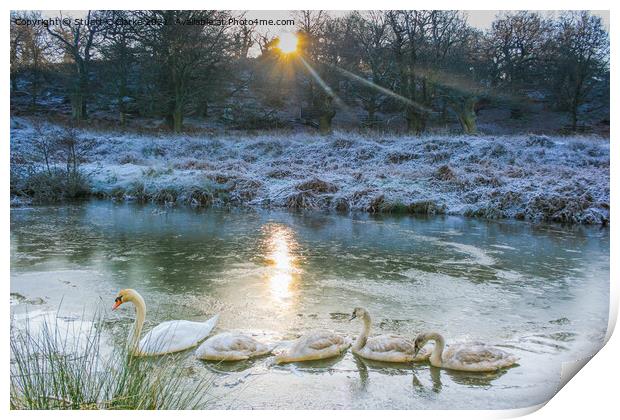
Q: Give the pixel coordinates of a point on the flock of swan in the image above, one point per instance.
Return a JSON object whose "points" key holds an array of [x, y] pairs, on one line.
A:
{"points": [[174, 336]]}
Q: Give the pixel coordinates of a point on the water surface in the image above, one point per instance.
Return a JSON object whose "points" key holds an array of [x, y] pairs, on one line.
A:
{"points": [[539, 291]]}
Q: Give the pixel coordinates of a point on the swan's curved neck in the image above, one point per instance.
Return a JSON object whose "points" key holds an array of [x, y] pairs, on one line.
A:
{"points": [[134, 336], [435, 358], [363, 337]]}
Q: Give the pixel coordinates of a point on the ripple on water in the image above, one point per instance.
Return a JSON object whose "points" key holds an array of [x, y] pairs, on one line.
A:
{"points": [[505, 284]]}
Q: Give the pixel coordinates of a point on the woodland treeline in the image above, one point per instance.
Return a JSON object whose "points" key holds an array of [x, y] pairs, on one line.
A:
{"points": [[422, 66]]}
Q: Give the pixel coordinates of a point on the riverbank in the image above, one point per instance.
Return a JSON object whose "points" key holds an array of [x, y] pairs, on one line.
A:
{"points": [[531, 177]]}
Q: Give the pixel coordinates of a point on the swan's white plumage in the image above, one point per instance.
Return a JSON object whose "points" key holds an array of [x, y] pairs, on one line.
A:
{"points": [[476, 357], [470, 357], [391, 348], [231, 346], [384, 348], [167, 337], [315, 345], [173, 336]]}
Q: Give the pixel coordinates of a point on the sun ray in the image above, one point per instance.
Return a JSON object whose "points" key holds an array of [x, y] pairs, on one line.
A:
{"points": [[326, 88], [382, 89]]}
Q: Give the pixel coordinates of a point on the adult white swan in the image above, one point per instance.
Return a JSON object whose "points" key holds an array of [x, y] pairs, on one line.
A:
{"points": [[471, 357], [384, 348], [167, 337], [315, 345], [230, 346]]}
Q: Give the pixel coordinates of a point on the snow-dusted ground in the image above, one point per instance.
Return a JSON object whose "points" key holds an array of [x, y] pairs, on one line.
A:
{"points": [[563, 179]]}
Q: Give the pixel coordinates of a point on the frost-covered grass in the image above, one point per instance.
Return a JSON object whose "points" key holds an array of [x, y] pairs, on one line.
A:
{"points": [[51, 369], [562, 179]]}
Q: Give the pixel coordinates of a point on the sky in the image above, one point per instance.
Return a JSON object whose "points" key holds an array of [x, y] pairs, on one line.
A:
{"points": [[480, 19]]}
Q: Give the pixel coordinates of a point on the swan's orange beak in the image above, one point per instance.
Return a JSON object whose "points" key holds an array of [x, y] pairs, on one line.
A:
{"points": [[117, 302]]}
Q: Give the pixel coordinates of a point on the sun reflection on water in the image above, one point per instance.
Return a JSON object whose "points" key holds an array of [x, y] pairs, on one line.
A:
{"points": [[283, 263]]}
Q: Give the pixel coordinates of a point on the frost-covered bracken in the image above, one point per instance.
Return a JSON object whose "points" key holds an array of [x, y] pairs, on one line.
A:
{"points": [[562, 179]]}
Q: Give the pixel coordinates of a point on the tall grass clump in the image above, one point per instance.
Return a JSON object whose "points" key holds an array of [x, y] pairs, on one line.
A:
{"points": [[54, 369], [56, 185], [50, 170]]}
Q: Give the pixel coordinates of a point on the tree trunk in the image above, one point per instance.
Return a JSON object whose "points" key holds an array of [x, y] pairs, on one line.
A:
{"points": [[416, 121], [79, 97], [325, 124], [122, 93], [34, 90], [371, 111], [467, 116], [174, 118], [443, 113], [77, 106], [371, 117], [573, 116], [177, 119], [327, 112]]}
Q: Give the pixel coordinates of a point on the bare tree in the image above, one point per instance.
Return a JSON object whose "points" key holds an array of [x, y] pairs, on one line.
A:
{"points": [[516, 46], [581, 59], [422, 42], [318, 34], [16, 48], [429, 66], [407, 28], [182, 53], [77, 39], [30, 47], [516, 43], [366, 53], [118, 49]]}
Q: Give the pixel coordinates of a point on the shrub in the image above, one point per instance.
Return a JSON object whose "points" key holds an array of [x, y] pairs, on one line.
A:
{"points": [[539, 141], [165, 196], [426, 207], [400, 157], [56, 185], [303, 200], [395, 207], [199, 197], [341, 204], [117, 193], [137, 191], [445, 173], [279, 173], [317, 186]]}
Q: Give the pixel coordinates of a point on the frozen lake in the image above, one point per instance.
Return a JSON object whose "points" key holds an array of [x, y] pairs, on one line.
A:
{"points": [[538, 291]]}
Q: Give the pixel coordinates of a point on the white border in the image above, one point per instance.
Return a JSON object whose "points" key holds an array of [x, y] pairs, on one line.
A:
{"points": [[592, 393]]}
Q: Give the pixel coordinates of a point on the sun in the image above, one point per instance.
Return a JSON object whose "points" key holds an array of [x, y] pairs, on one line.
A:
{"points": [[287, 42]]}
